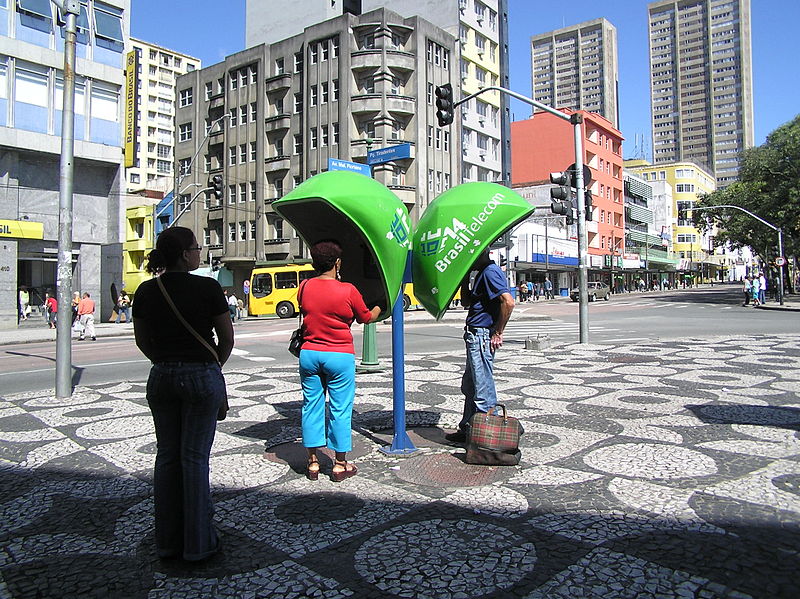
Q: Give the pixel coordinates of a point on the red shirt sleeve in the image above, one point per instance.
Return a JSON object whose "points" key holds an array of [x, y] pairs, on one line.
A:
{"points": [[360, 311]]}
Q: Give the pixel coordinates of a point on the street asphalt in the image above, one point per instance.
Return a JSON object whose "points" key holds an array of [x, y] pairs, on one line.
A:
{"points": [[666, 469]]}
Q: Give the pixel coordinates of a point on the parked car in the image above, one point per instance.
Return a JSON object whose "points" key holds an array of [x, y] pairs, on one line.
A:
{"points": [[595, 289]]}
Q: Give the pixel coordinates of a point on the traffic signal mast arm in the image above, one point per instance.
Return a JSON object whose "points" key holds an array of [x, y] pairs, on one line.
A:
{"points": [[575, 119], [761, 220]]}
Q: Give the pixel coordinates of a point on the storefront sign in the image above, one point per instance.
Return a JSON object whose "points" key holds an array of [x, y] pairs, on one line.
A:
{"points": [[21, 229]]}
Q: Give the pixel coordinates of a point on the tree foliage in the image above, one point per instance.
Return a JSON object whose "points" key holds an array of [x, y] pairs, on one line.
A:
{"points": [[769, 186]]}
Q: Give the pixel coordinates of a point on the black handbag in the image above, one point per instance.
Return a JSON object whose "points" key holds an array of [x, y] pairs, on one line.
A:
{"points": [[297, 338]]}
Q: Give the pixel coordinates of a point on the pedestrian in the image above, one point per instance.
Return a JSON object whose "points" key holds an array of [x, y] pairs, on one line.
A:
{"points": [[548, 288], [24, 303], [537, 291], [239, 309], [747, 289], [86, 309], [76, 299], [123, 307], [233, 305], [490, 305], [755, 287], [51, 309], [530, 291], [762, 288], [327, 359], [175, 317]]}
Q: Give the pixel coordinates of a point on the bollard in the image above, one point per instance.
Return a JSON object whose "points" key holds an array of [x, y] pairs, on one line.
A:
{"points": [[369, 350], [537, 343]]}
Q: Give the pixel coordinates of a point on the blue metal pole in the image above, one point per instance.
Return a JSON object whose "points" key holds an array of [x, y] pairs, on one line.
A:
{"points": [[401, 443]]}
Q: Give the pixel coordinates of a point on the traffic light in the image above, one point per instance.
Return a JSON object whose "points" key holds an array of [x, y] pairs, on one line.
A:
{"points": [[444, 104], [216, 185], [561, 196], [562, 207], [587, 204], [216, 264]]}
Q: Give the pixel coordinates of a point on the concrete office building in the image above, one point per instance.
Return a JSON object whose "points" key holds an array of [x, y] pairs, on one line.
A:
{"points": [[576, 67], [31, 96], [269, 117], [157, 70], [481, 27], [701, 87]]}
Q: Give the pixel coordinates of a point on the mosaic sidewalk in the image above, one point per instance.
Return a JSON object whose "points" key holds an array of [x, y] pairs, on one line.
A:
{"points": [[664, 470]]}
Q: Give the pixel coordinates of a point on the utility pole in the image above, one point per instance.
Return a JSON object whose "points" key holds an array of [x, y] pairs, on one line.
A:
{"points": [[70, 9]]}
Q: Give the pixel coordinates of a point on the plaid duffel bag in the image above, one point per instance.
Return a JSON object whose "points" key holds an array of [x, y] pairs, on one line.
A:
{"points": [[493, 439]]}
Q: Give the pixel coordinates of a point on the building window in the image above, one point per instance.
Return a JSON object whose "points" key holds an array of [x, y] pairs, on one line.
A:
{"points": [[253, 73], [335, 90], [278, 228], [185, 166], [253, 230], [298, 62], [232, 156], [234, 117], [242, 153], [325, 49], [234, 77], [253, 112], [334, 47], [298, 144], [207, 162], [231, 232], [429, 94], [231, 194], [279, 66], [253, 191], [184, 203], [185, 97], [335, 136], [242, 193], [185, 132], [252, 151], [108, 22], [312, 53], [209, 87], [298, 103], [324, 134], [313, 139], [312, 100], [323, 93], [243, 114]]}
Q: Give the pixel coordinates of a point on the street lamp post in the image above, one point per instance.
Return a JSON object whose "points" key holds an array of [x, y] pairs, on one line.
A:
{"points": [[70, 10]]}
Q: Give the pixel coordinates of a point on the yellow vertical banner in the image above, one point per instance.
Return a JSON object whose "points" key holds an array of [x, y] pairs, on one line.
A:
{"points": [[131, 87]]}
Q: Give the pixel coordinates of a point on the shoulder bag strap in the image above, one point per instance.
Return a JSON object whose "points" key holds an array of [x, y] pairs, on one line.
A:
{"points": [[300, 302], [183, 320]]}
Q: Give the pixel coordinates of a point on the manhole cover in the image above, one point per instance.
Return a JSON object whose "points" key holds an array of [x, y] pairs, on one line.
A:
{"points": [[629, 359], [449, 470]]}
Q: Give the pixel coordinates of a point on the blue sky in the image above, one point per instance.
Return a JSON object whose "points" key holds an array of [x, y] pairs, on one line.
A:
{"points": [[211, 30]]}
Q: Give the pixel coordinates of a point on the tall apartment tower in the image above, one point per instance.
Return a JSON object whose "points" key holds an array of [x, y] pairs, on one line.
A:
{"points": [[701, 84], [158, 69], [31, 100], [482, 56], [271, 116], [576, 67]]}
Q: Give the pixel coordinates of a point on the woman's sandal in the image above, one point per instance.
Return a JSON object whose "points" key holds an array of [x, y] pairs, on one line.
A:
{"points": [[312, 474], [338, 477]]}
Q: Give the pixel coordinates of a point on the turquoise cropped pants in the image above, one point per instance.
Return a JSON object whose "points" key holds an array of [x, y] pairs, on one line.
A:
{"points": [[333, 373]]}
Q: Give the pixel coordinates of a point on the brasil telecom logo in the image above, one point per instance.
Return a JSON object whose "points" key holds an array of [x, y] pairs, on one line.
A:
{"points": [[400, 230]]}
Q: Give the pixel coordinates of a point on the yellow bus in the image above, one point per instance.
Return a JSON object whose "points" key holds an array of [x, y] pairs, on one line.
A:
{"points": [[273, 289]]}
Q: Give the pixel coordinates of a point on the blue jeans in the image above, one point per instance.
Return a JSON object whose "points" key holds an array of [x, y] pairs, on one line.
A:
{"points": [[184, 398], [126, 311], [477, 384], [334, 373]]}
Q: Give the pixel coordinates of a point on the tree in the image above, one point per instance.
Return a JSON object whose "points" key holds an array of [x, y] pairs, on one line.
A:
{"points": [[769, 186]]}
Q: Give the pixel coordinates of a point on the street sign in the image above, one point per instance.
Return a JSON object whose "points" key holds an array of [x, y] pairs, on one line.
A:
{"points": [[246, 287], [780, 261], [398, 152], [587, 175], [335, 164]]}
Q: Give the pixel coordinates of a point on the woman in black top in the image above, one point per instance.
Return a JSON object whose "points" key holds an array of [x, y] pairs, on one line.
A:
{"points": [[185, 390]]}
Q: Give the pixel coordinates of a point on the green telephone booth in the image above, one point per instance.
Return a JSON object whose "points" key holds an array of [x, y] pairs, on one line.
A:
{"points": [[369, 222], [453, 231]]}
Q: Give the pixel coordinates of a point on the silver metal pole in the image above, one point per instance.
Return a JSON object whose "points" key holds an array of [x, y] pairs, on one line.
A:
{"points": [[780, 268], [64, 270], [583, 282]]}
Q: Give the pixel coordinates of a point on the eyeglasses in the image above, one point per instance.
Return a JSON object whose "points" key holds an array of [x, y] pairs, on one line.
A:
{"points": [[194, 248]]}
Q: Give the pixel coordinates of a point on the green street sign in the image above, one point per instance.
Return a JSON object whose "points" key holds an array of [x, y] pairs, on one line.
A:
{"points": [[455, 228], [369, 222]]}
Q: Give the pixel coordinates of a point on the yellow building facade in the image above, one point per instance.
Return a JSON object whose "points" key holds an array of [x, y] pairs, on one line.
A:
{"points": [[138, 243], [693, 248]]}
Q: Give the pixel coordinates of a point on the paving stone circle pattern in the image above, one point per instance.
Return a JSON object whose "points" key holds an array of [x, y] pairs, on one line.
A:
{"points": [[665, 469]]}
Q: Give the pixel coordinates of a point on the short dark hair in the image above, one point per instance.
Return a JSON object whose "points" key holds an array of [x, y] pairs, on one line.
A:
{"points": [[324, 255], [170, 245]]}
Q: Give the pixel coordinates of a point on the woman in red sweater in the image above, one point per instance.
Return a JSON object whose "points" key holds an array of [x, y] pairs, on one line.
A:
{"points": [[327, 359]]}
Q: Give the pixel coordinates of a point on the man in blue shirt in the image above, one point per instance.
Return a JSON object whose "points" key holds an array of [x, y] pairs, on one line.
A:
{"points": [[490, 305]]}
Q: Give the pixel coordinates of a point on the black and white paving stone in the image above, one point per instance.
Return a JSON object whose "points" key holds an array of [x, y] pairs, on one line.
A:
{"points": [[664, 470]]}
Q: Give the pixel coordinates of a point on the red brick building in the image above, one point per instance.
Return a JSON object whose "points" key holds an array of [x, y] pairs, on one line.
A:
{"points": [[545, 144]]}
